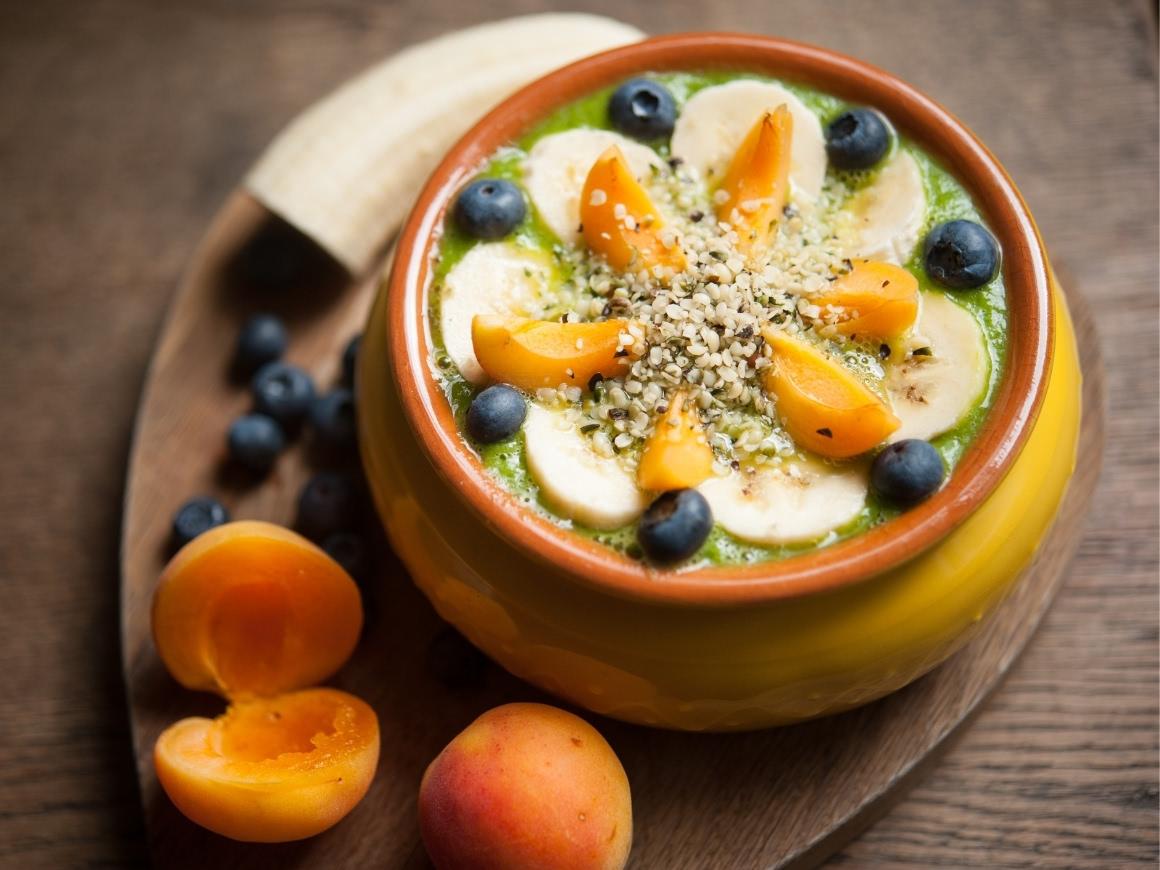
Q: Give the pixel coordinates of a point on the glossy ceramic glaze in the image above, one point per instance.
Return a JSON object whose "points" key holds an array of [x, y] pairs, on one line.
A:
{"points": [[721, 648]]}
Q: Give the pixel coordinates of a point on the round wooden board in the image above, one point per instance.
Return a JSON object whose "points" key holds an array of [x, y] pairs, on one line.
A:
{"points": [[784, 797]]}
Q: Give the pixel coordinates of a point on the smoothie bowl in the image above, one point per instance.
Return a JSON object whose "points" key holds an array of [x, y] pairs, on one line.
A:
{"points": [[719, 382]]}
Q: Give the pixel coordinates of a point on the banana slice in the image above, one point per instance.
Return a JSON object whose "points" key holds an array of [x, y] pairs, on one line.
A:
{"points": [[714, 122], [492, 278], [788, 504], [347, 170], [579, 483], [932, 393], [890, 213], [557, 166]]}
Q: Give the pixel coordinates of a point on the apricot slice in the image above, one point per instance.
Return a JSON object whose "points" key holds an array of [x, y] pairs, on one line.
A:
{"points": [[677, 454], [526, 787], [250, 608], [822, 403], [876, 300], [620, 221], [274, 769], [756, 185], [544, 353]]}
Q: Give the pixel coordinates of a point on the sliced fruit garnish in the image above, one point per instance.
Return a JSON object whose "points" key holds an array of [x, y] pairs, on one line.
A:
{"points": [[715, 120], [545, 353], [943, 375], [875, 300], [578, 482], [890, 212], [557, 165], [620, 221], [822, 403], [787, 504], [756, 185], [492, 278], [677, 454]]}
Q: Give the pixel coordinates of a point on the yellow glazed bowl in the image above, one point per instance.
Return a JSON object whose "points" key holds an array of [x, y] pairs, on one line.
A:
{"points": [[710, 664]]}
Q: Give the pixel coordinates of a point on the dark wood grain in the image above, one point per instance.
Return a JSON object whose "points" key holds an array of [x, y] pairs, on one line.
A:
{"points": [[123, 125]]}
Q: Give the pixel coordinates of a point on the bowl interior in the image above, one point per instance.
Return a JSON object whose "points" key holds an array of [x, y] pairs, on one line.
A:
{"points": [[983, 465]]}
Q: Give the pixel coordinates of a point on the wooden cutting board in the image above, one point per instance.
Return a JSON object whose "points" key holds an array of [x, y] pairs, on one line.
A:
{"points": [[785, 797]]}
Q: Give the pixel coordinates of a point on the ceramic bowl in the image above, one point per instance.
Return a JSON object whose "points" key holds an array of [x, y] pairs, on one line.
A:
{"points": [[721, 647]]}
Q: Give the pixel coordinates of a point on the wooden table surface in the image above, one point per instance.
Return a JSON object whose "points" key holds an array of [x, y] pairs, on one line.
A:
{"points": [[123, 126]]}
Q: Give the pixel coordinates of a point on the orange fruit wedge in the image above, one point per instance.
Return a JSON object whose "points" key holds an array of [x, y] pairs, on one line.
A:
{"points": [[620, 221], [757, 182], [874, 300], [545, 353], [677, 454], [824, 406]]}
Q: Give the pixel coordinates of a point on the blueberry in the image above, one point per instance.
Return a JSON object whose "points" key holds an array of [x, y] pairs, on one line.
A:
{"points": [[496, 413], [255, 441], [490, 208], [675, 526], [961, 255], [907, 472], [349, 358], [454, 662], [197, 515], [284, 392], [262, 340], [643, 109], [857, 139], [349, 551], [328, 503], [332, 419]]}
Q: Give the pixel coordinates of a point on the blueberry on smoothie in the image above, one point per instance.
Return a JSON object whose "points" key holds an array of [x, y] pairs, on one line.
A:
{"points": [[675, 526], [490, 208], [643, 109], [255, 440], [328, 504], [961, 255], [199, 514], [349, 358], [496, 413], [283, 392], [332, 419], [262, 340], [857, 139], [907, 472]]}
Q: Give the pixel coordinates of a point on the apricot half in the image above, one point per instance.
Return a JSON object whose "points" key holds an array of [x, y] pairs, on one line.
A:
{"points": [[544, 353], [526, 787], [876, 300], [822, 403], [619, 220], [756, 185], [273, 769], [250, 608], [677, 454]]}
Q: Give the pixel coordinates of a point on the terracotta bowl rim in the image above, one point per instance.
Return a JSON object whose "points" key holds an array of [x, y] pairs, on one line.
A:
{"points": [[980, 469]]}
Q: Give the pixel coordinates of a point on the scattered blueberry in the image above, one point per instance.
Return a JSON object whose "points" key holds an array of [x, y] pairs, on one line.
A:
{"points": [[328, 503], [857, 139], [349, 551], [496, 413], [643, 109], [907, 472], [197, 515], [349, 358], [284, 392], [675, 525], [961, 255], [255, 441], [332, 419], [490, 208], [262, 340], [454, 662]]}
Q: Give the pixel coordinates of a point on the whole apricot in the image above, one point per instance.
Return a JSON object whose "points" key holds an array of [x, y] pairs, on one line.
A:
{"points": [[526, 786]]}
